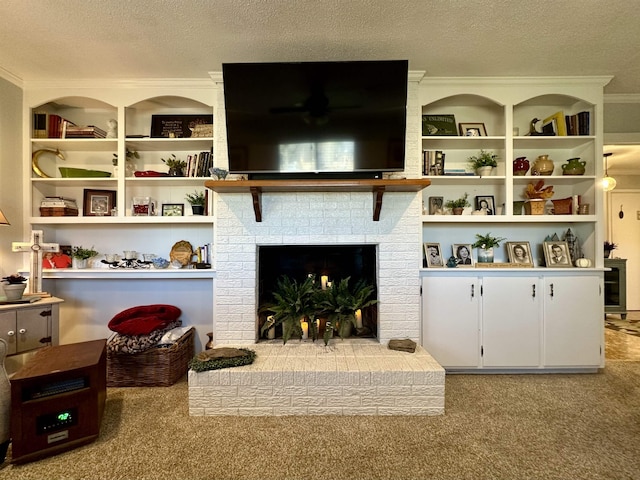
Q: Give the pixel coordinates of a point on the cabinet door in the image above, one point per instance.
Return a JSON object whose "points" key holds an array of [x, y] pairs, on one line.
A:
{"points": [[8, 330], [33, 328], [511, 322], [573, 326], [450, 313]]}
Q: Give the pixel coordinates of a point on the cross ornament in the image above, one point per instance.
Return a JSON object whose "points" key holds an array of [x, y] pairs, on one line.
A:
{"points": [[35, 247]]}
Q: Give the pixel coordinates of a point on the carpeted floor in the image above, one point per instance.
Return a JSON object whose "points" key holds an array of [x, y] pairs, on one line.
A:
{"points": [[583, 426]]}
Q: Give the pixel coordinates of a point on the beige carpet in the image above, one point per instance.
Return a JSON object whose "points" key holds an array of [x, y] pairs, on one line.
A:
{"points": [[495, 427]]}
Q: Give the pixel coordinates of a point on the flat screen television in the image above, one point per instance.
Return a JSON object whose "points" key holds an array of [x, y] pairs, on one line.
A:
{"points": [[316, 119]]}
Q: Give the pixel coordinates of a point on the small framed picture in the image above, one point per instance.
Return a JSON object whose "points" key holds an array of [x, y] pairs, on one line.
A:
{"points": [[486, 204], [556, 254], [98, 203], [173, 209], [436, 205], [433, 254], [462, 252], [520, 253], [472, 130]]}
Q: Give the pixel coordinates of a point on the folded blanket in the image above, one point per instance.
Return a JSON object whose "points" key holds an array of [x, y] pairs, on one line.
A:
{"points": [[144, 319], [119, 343]]}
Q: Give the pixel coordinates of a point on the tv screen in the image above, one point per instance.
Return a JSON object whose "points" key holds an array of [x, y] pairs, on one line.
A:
{"points": [[316, 118]]}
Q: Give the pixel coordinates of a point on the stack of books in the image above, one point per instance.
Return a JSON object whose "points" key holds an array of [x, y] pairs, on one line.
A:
{"points": [[49, 125], [89, 131], [58, 207]]}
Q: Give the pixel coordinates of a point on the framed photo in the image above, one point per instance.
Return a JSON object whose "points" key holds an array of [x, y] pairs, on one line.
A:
{"points": [[436, 205], [556, 254], [173, 209], [98, 203], [433, 253], [472, 130], [439, 125], [181, 126], [463, 254], [555, 125], [486, 204], [520, 253]]}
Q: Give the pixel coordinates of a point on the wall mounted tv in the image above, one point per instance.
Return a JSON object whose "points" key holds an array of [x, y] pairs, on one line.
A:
{"points": [[316, 119]]}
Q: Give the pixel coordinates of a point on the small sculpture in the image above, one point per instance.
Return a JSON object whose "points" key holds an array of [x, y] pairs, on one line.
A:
{"points": [[532, 128], [452, 262], [112, 128]]}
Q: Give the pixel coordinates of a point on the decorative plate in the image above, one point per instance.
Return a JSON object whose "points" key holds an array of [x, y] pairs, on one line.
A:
{"points": [[182, 251]]}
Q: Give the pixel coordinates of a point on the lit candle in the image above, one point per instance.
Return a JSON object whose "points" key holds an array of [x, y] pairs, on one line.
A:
{"points": [[329, 284], [323, 281], [305, 330], [358, 318], [271, 333]]}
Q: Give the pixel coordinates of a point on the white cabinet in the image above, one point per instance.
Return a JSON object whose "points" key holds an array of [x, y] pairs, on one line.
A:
{"points": [[27, 327], [451, 319], [573, 326], [475, 320]]}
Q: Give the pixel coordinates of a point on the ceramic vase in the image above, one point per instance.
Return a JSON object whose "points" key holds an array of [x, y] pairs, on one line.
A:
{"points": [[209, 344], [484, 171], [485, 255], [574, 166], [543, 166], [79, 263], [457, 210], [520, 166], [5, 403], [14, 291]]}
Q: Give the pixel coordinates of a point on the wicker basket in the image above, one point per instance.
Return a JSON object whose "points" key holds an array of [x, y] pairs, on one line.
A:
{"points": [[156, 367]]}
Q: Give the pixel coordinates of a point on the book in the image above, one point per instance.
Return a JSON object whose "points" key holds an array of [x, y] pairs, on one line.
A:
{"points": [[39, 125]]}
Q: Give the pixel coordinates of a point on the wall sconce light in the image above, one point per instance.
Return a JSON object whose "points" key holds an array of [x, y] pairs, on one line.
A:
{"points": [[3, 219], [608, 183]]}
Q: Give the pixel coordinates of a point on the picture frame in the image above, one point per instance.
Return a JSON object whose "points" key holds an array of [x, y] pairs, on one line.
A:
{"points": [[463, 259], [519, 253], [439, 125], [555, 123], [181, 126], [486, 203], [433, 254], [436, 205], [173, 209], [472, 130], [98, 203], [556, 254]]}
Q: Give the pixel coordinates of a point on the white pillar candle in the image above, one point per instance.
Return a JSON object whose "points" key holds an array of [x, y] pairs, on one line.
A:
{"points": [[271, 333], [305, 330], [358, 318], [323, 281]]}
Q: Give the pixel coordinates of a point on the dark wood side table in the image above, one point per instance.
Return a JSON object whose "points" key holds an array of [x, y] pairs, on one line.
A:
{"points": [[57, 400]]}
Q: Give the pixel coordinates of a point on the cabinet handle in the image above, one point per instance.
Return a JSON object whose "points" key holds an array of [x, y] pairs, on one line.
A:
{"points": [[473, 290], [45, 313], [533, 290], [10, 333], [22, 331], [551, 290]]}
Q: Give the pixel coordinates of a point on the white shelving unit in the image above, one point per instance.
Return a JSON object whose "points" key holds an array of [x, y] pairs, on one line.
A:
{"points": [[507, 106]]}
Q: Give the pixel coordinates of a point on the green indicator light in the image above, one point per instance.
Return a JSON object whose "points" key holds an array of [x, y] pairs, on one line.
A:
{"points": [[64, 416]]}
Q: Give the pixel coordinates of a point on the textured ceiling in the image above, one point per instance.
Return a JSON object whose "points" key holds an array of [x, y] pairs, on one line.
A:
{"points": [[116, 39]]}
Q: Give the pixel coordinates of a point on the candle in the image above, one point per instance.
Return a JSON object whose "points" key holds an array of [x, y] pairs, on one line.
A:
{"points": [[271, 333], [358, 318], [323, 281], [305, 330]]}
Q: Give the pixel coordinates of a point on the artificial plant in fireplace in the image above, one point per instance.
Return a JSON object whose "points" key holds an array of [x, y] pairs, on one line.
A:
{"points": [[339, 304], [293, 301]]}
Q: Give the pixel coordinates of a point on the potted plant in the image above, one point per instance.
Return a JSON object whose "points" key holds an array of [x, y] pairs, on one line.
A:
{"points": [[128, 164], [458, 205], [608, 246], [14, 286], [197, 201], [176, 166], [80, 256], [339, 304], [485, 244], [483, 163], [293, 302]]}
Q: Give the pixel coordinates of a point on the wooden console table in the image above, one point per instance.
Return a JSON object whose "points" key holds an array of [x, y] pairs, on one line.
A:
{"points": [[377, 186]]}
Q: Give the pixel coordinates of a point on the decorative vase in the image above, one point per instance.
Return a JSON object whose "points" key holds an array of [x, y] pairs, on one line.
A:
{"points": [[5, 403], [484, 171], [197, 209], [520, 166], [209, 344], [535, 206], [13, 291], [485, 255], [543, 166], [607, 253], [176, 172], [574, 166], [79, 263], [517, 207], [345, 329], [457, 210]]}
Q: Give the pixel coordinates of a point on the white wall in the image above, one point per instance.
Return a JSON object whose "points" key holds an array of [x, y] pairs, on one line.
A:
{"points": [[10, 174]]}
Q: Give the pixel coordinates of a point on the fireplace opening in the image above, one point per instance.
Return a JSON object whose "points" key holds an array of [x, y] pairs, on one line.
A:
{"points": [[329, 263]]}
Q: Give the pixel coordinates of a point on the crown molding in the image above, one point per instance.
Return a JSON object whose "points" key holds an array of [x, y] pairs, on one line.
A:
{"points": [[622, 98], [10, 77]]}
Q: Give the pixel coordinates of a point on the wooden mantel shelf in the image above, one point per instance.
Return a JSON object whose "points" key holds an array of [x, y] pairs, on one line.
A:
{"points": [[377, 186]]}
